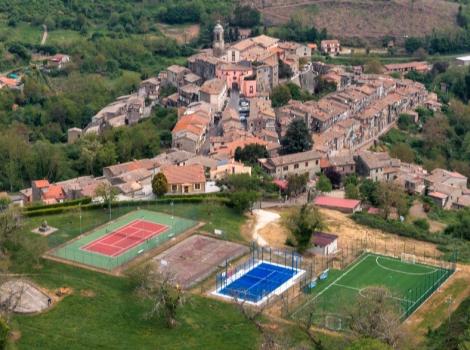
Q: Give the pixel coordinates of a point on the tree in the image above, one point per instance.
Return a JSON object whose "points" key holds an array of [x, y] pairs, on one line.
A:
{"points": [[4, 332], [251, 153], [10, 221], [297, 138], [334, 176], [160, 288], [280, 96], [390, 195], [159, 184], [107, 193], [412, 44], [403, 152], [369, 192], [323, 184], [296, 184], [241, 201], [460, 228], [285, 71], [375, 315], [302, 223], [373, 66], [351, 191]]}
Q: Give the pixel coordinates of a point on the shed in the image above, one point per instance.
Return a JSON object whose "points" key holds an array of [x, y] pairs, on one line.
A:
{"points": [[324, 243]]}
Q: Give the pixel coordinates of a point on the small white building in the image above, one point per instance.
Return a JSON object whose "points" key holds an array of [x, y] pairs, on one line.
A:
{"points": [[463, 60], [324, 243]]}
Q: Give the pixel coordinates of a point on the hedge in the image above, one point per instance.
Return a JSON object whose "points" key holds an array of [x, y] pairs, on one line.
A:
{"points": [[75, 202], [397, 227], [92, 206]]}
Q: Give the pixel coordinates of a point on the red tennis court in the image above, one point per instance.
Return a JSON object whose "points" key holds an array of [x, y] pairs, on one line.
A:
{"points": [[126, 237]]}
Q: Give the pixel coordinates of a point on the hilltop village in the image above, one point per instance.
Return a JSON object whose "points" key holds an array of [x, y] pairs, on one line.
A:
{"points": [[223, 101]]}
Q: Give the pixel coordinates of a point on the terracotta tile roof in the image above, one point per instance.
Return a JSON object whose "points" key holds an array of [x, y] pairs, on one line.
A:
{"points": [[264, 40], [437, 195], [41, 183], [213, 86], [54, 192], [193, 173], [192, 123]]}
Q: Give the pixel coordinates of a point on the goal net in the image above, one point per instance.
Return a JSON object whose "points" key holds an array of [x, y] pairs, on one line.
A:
{"points": [[333, 323], [408, 258]]}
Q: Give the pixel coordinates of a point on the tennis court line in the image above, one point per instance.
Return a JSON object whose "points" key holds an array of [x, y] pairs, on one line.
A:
{"points": [[329, 286], [403, 272]]}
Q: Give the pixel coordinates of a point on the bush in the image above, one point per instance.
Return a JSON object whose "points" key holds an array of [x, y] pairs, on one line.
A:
{"points": [[422, 224], [75, 202], [397, 227]]}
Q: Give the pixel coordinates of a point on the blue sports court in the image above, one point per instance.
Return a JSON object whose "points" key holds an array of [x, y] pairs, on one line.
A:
{"points": [[259, 281]]}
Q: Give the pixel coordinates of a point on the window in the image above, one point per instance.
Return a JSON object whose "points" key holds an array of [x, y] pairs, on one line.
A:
{"points": [[316, 162], [197, 186], [174, 188], [251, 89], [285, 168], [306, 164], [186, 189], [233, 56], [296, 166]]}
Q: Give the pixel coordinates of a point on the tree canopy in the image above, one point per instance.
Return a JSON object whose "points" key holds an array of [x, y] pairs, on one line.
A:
{"points": [[297, 138]]}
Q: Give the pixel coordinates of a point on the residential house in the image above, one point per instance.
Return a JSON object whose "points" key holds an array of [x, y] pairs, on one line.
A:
{"points": [[421, 67], [186, 179], [175, 74], [377, 166], [331, 47], [297, 163], [229, 167], [189, 133], [43, 191], [214, 92], [58, 61], [204, 65], [294, 48], [239, 77]]}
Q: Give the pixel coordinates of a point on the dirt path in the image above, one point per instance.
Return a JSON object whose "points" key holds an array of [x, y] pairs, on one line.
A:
{"points": [[417, 212], [44, 35]]}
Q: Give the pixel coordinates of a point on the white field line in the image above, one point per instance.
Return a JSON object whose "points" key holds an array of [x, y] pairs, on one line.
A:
{"points": [[403, 272], [359, 290], [329, 286]]}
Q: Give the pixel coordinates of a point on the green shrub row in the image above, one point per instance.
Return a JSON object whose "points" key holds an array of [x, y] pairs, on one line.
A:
{"points": [[92, 206], [71, 203], [397, 227]]}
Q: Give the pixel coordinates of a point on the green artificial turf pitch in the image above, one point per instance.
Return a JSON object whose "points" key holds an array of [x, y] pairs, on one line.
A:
{"points": [[73, 250], [410, 285]]}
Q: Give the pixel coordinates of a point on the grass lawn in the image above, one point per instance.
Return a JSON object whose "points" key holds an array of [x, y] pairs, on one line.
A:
{"points": [[409, 284], [114, 318]]}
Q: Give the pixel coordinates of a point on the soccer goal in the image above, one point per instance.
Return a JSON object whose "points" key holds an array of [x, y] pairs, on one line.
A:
{"points": [[408, 258], [333, 323]]}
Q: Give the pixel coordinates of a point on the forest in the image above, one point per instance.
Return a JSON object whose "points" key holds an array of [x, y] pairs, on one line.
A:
{"points": [[113, 45]]}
